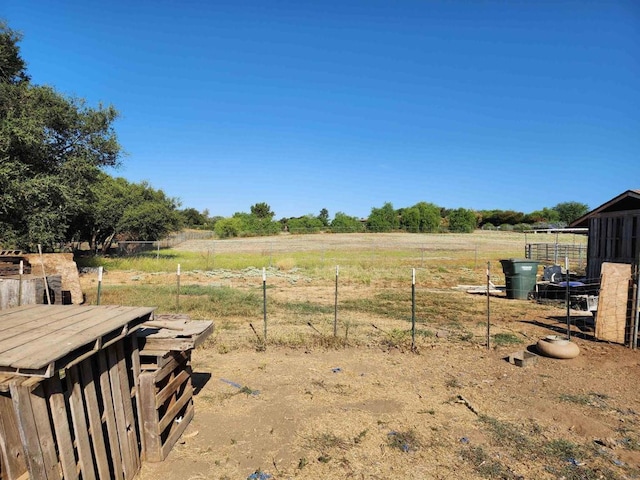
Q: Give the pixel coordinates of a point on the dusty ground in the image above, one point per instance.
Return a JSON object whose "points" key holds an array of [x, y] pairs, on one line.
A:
{"points": [[331, 414], [376, 410]]}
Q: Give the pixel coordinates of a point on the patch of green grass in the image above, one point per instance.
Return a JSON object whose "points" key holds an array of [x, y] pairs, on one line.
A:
{"points": [[396, 338], [425, 333], [562, 449], [485, 465], [503, 339], [197, 300], [308, 308], [583, 472], [592, 399], [360, 437], [507, 435]]}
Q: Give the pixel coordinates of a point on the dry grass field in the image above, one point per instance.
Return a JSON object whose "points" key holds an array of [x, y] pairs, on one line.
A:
{"points": [[363, 404]]}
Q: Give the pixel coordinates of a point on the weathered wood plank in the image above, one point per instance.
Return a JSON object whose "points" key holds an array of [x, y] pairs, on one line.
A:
{"points": [[21, 397], [58, 407], [95, 419], [136, 370], [611, 320], [171, 388], [178, 431], [49, 341], [128, 397], [128, 465], [99, 327], [17, 315], [80, 429], [172, 412], [178, 358], [109, 416], [150, 420], [15, 291], [41, 325], [45, 434], [46, 343], [11, 450]]}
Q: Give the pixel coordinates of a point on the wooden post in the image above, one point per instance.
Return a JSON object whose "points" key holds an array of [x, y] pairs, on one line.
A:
{"points": [[566, 266], [264, 301], [21, 271], [335, 307], [637, 306], [44, 276], [178, 289], [99, 284], [488, 306], [413, 309]]}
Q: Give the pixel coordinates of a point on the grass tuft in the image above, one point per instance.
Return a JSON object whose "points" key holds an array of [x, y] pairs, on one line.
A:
{"points": [[407, 441], [505, 339]]}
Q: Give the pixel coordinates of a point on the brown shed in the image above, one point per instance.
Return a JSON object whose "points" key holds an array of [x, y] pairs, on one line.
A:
{"points": [[614, 230]]}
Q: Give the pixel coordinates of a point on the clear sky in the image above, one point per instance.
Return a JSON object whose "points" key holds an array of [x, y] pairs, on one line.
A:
{"points": [[349, 104]]}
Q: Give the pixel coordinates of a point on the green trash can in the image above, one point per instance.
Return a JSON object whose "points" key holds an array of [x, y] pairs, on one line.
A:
{"points": [[520, 276]]}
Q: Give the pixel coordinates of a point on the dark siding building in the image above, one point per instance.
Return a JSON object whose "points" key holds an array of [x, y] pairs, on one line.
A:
{"points": [[614, 232]]}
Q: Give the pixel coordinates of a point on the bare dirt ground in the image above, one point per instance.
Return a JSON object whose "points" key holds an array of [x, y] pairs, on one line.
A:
{"points": [[376, 410]]}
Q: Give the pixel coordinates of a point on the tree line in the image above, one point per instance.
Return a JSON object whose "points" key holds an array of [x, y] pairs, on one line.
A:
{"points": [[422, 217], [54, 190]]}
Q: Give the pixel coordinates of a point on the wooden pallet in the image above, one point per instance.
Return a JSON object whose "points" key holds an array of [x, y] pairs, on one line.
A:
{"points": [[166, 396], [10, 263], [79, 423]]}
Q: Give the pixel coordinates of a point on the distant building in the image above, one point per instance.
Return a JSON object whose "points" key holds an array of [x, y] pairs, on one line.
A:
{"points": [[614, 232]]}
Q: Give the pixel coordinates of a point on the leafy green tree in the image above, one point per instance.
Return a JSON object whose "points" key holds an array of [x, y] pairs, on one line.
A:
{"points": [[324, 217], [430, 218], [570, 211], [129, 211], [500, 217], [410, 219], [546, 215], [228, 227], [52, 148], [262, 210], [343, 223], [12, 66], [149, 220], [193, 218], [462, 220], [384, 219], [306, 224], [253, 225]]}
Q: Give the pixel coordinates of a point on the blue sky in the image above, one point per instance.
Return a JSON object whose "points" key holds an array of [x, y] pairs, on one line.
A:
{"points": [[346, 105]]}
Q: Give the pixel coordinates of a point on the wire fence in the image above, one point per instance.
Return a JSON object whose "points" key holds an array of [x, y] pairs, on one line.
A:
{"points": [[557, 253], [131, 248]]}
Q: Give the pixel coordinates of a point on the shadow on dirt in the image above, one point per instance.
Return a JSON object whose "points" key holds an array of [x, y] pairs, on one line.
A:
{"points": [[199, 380], [585, 325]]}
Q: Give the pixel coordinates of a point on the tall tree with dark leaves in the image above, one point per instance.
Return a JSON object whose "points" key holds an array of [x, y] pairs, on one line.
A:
{"points": [[52, 148]]}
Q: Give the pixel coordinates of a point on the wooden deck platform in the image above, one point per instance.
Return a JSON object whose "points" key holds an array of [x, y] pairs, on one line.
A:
{"points": [[37, 340], [178, 335]]}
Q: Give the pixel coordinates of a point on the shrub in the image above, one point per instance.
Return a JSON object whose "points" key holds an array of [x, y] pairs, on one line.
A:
{"points": [[462, 220], [227, 227]]}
